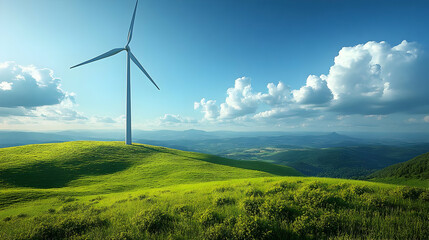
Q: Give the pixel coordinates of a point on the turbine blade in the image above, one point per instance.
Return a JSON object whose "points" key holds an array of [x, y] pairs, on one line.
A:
{"points": [[130, 32], [104, 55], [141, 68]]}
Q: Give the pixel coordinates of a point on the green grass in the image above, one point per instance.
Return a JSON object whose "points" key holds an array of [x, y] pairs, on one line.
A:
{"points": [[416, 168], [105, 190]]}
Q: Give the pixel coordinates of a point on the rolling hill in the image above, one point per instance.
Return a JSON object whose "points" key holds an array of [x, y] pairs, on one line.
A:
{"points": [[412, 172], [417, 167], [111, 165], [107, 190]]}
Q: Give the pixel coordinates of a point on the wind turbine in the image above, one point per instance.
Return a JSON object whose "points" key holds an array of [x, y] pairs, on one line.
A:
{"points": [[134, 59]]}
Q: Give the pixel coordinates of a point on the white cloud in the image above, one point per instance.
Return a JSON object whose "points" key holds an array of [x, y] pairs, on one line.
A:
{"points": [[209, 108], [240, 100], [6, 86], [315, 91], [426, 119], [27, 86], [371, 80], [374, 78], [277, 95]]}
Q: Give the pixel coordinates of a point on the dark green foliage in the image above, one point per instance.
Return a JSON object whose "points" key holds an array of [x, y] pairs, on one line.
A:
{"points": [[154, 220], [209, 217], [425, 196], [316, 223], [254, 192], [65, 228], [350, 162], [184, 210], [311, 197], [378, 202], [252, 228], [279, 209], [409, 192], [251, 205], [220, 201], [417, 168], [221, 231]]}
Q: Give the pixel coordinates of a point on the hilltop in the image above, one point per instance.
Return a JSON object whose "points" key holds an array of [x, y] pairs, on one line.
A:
{"points": [[106, 166]]}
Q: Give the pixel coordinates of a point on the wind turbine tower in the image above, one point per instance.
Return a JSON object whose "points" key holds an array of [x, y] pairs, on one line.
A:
{"points": [[130, 55]]}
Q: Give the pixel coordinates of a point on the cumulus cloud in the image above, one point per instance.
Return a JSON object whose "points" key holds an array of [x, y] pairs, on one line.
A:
{"points": [[426, 119], [315, 91], [28, 93], [374, 78], [277, 94], [209, 108], [242, 101], [371, 79], [28, 86]]}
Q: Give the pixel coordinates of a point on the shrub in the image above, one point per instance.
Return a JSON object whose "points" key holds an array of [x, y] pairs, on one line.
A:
{"points": [[254, 193], [183, 210], [328, 223], [219, 232], [209, 217], [408, 192], [359, 190], [51, 210], [251, 205], [122, 236], [283, 186], [220, 201], [65, 228], [424, 196], [278, 209], [379, 202], [22, 215], [316, 197], [317, 185], [252, 228], [7, 219], [153, 220]]}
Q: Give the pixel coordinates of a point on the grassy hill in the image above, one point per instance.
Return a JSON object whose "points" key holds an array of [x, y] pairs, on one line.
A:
{"points": [[106, 166], [106, 190], [414, 171]]}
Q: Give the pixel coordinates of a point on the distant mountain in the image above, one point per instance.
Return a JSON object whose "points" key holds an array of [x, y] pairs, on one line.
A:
{"points": [[416, 168]]}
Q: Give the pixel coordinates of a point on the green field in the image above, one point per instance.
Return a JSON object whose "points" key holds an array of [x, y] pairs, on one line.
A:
{"points": [[106, 190]]}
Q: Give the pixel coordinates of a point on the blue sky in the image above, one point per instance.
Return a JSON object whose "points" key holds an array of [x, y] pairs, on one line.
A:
{"points": [[198, 50]]}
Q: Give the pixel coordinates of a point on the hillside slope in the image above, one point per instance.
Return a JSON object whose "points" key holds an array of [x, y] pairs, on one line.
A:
{"points": [[113, 166], [106, 190], [345, 162], [417, 168]]}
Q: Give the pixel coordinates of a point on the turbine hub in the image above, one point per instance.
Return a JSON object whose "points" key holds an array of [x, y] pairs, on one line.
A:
{"points": [[127, 48]]}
